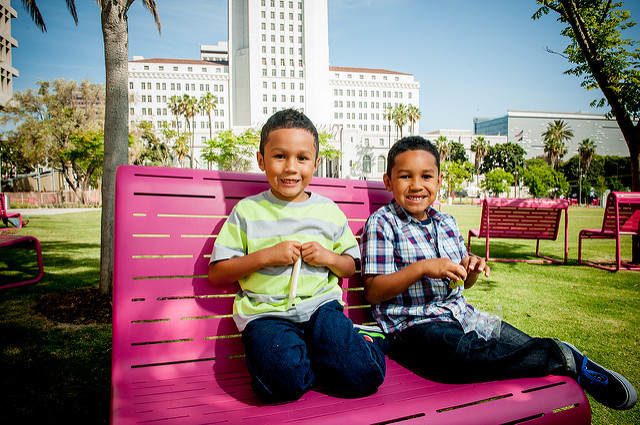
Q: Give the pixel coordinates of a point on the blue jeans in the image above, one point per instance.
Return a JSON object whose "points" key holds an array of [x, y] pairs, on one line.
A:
{"points": [[286, 359], [443, 352]]}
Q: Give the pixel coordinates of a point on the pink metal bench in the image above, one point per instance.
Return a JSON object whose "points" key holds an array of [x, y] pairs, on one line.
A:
{"points": [[177, 355], [621, 217], [15, 241], [5, 215], [507, 218]]}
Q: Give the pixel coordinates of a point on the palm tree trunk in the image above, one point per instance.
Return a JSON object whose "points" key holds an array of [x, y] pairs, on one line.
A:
{"points": [[116, 125]]}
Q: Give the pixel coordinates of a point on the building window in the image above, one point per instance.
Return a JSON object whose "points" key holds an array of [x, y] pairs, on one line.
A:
{"points": [[130, 85], [366, 164]]}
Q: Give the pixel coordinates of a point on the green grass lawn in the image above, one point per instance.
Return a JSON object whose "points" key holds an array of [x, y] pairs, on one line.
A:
{"points": [[58, 372]]}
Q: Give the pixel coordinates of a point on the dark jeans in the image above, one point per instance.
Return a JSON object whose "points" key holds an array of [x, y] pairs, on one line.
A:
{"points": [[287, 359], [443, 352]]}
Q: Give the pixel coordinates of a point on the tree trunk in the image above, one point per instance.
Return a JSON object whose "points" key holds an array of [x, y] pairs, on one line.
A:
{"points": [[116, 125]]}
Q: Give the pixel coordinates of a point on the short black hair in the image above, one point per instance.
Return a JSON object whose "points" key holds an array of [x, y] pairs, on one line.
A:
{"points": [[288, 118], [411, 143]]}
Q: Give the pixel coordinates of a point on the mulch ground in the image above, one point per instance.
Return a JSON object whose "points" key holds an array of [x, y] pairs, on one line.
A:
{"points": [[82, 306]]}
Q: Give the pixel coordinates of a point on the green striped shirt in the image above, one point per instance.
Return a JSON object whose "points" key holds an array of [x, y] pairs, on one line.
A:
{"points": [[262, 221]]}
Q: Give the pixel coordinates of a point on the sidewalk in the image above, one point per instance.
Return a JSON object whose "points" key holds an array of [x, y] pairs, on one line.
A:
{"points": [[30, 212]]}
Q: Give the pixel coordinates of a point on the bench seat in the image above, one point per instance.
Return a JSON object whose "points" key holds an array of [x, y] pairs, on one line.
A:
{"points": [[177, 354]]}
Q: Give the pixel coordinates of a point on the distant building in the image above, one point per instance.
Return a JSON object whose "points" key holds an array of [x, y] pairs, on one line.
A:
{"points": [[7, 42], [278, 57], [526, 127]]}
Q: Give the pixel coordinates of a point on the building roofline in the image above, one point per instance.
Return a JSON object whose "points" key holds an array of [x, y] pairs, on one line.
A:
{"points": [[179, 61], [365, 70]]}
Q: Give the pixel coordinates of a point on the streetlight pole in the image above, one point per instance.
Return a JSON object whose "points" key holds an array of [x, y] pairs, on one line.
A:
{"points": [[579, 178]]}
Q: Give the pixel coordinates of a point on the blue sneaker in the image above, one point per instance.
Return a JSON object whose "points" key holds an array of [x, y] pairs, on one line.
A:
{"points": [[605, 386], [374, 335]]}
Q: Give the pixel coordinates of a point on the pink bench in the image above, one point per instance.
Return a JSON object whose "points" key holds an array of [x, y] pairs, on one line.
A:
{"points": [[16, 241], [5, 215], [621, 217], [177, 355], [507, 218]]}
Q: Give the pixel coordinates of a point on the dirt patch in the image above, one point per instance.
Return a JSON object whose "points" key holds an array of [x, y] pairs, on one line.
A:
{"points": [[82, 306]]}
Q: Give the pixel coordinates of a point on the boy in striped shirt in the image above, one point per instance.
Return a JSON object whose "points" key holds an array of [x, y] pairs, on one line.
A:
{"points": [[294, 341]]}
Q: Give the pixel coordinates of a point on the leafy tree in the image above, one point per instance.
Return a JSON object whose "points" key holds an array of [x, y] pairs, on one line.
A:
{"points": [[458, 153], [608, 61], [554, 137], [497, 181], [327, 151], [586, 151], [149, 149], [231, 152], [51, 130], [456, 174], [508, 156], [175, 106], [539, 180]]}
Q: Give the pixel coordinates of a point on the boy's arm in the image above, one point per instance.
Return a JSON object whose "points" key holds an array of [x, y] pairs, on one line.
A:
{"points": [[235, 268], [382, 287], [316, 255]]}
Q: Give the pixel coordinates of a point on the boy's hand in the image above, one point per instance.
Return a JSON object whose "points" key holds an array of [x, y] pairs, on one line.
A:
{"points": [[476, 265], [316, 255], [283, 253], [444, 268]]}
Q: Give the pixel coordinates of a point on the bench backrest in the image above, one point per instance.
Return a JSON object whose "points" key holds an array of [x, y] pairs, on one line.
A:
{"points": [[165, 311], [3, 208], [522, 218], [627, 205]]}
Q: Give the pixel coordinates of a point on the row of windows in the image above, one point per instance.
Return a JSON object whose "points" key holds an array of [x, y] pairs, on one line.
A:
{"points": [[164, 112], [361, 76], [374, 93], [178, 86], [282, 50], [175, 68], [272, 38], [163, 99], [274, 109], [274, 98], [272, 26], [272, 15], [283, 73], [361, 105], [364, 127], [282, 62], [283, 85], [272, 3], [366, 164]]}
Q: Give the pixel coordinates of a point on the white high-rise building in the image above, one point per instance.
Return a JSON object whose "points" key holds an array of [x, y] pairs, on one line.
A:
{"points": [[7, 42], [278, 57]]}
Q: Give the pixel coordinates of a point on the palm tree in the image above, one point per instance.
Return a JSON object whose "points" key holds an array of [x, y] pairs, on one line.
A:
{"points": [[115, 33], [175, 106], [586, 150], [388, 115], [414, 115], [444, 147], [207, 103], [480, 148], [557, 133], [400, 117], [190, 110]]}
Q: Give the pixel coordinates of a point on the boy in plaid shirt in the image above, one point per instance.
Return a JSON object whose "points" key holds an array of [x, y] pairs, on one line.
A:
{"points": [[416, 268]]}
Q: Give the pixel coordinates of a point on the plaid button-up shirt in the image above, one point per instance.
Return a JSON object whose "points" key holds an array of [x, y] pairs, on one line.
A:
{"points": [[392, 240]]}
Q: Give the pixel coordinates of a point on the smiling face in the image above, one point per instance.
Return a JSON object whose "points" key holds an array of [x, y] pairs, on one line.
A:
{"points": [[289, 161], [414, 181]]}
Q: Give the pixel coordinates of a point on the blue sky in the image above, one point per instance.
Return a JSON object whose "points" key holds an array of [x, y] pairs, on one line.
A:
{"points": [[473, 58]]}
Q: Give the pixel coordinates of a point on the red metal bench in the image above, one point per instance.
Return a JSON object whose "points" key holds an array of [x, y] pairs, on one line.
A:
{"points": [[177, 355], [507, 218], [621, 217], [15, 241], [5, 215]]}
